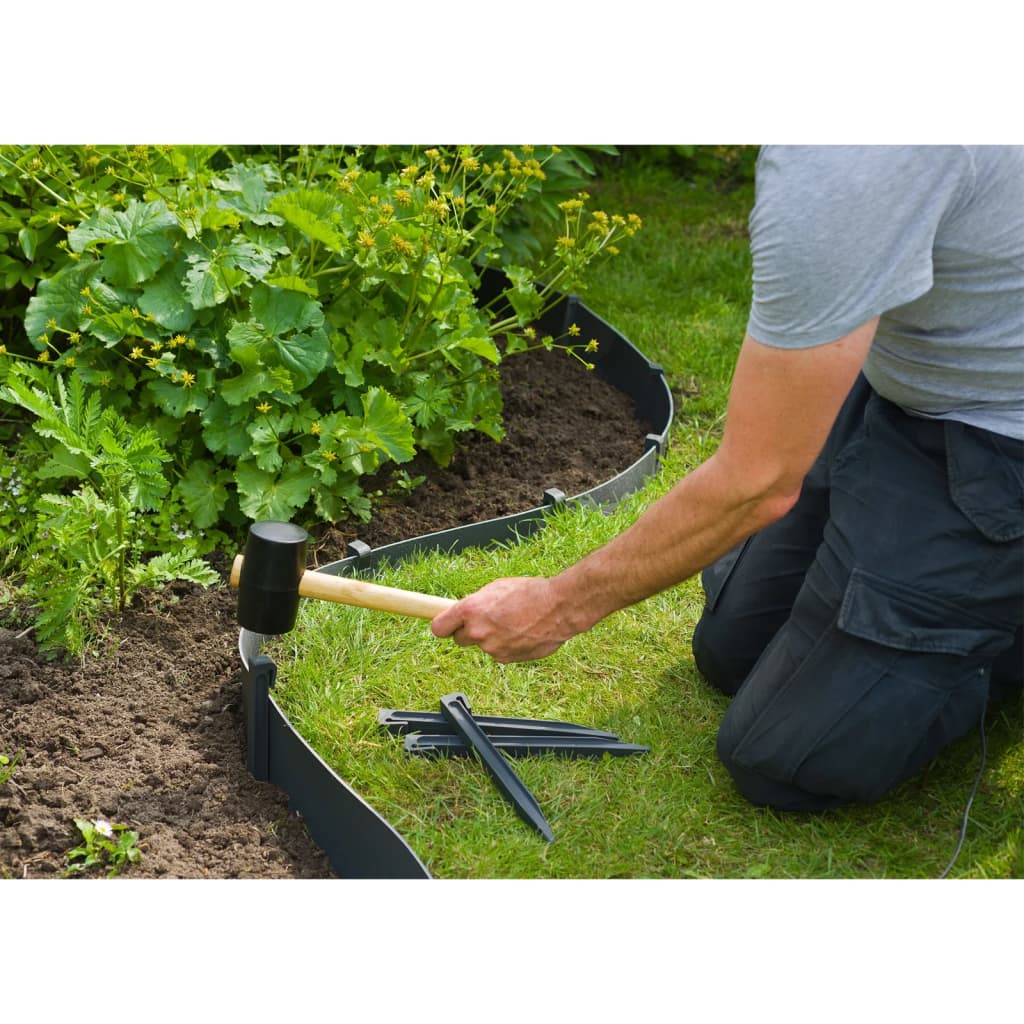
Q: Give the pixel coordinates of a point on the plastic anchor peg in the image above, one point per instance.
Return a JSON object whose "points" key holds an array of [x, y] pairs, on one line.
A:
{"points": [[553, 497], [455, 708], [526, 745], [401, 722]]}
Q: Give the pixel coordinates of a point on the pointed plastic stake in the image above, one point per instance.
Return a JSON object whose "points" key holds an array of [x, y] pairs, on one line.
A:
{"points": [[401, 722], [455, 708]]}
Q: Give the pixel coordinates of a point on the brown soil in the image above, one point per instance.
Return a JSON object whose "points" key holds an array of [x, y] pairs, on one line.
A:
{"points": [[148, 733]]}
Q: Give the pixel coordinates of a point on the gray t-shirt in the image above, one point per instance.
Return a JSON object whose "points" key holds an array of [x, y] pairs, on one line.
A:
{"points": [[929, 238]]}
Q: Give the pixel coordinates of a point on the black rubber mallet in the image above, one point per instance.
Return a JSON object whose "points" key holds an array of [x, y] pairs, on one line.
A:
{"points": [[271, 576]]}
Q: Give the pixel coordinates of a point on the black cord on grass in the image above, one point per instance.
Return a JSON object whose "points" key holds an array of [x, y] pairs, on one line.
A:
{"points": [[970, 800]]}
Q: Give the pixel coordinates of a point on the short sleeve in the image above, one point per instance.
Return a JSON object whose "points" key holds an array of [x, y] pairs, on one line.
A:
{"points": [[841, 234]]}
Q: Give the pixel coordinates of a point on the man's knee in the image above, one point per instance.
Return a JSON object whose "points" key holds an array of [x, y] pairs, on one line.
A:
{"points": [[717, 657], [756, 783]]}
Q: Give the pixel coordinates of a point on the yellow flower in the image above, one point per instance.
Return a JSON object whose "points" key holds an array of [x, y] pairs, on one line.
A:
{"points": [[44, 338], [74, 337], [470, 163], [178, 339], [366, 240], [69, 360], [329, 455], [44, 357], [438, 207], [315, 428], [591, 345], [187, 379], [51, 325], [574, 330], [3, 350], [403, 196], [264, 407], [404, 247], [137, 353]]}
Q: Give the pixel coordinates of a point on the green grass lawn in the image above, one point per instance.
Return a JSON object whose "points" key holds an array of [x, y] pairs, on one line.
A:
{"points": [[680, 292]]}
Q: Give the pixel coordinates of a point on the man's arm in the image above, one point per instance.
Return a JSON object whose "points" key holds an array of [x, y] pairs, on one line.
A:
{"points": [[782, 405]]}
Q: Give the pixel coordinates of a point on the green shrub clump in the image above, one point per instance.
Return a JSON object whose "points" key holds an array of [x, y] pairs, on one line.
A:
{"points": [[271, 325]]}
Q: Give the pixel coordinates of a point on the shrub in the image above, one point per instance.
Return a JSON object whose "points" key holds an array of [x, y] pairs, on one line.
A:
{"points": [[288, 322]]}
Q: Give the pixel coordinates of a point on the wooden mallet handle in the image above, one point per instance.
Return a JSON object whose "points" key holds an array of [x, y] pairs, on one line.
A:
{"points": [[348, 590]]}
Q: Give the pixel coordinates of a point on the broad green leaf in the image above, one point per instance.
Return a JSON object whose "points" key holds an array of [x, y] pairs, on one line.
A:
{"points": [[248, 384], [175, 399], [247, 343], [60, 298], [245, 188], [266, 445], [28, 239], [254, 259], [263, 495], [133, 243], [343, 498], [286, 330], [311, 210], [202, 494], [305, 356], [439, 441], [217, 217], [281, 311], [387, 425], [164, 300], [210, 282], [111, 327], [295, 284], [480, 346], [224, 428]]}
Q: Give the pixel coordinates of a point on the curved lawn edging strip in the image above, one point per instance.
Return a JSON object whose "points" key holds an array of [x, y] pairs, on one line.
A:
{"points": [[357, 841]]}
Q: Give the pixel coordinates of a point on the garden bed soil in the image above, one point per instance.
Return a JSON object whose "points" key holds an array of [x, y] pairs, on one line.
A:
{"points": [[148, 731]]}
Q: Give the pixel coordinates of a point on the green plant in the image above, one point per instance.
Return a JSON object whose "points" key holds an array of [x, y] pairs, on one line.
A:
{"points": [[290, 321], [7, 766], [87, 552], [103, 845]]}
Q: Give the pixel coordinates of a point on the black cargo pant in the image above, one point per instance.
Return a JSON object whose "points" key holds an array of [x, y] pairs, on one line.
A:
{"points": [[871, 625]]}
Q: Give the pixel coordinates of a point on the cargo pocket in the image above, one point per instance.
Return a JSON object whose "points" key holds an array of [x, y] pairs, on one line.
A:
{"points": [[986, 480], [895, 678]]}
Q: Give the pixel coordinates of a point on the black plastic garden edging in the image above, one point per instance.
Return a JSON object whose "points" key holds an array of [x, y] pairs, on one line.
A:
{"points": [[359, 842]]}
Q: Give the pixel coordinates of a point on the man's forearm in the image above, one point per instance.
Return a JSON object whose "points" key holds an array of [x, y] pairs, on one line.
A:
{"points": [[700, 519]]}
